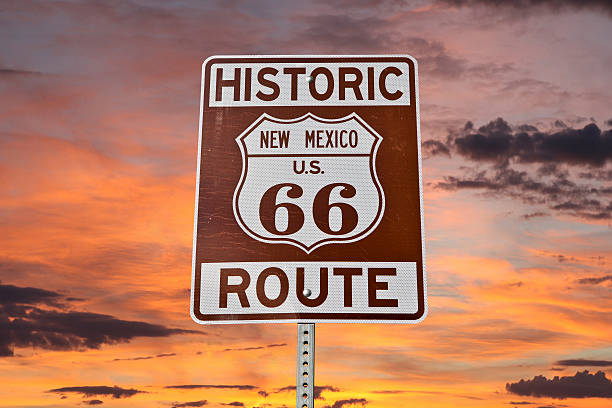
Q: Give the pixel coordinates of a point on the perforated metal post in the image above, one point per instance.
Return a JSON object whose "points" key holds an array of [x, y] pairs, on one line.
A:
{"points": [[305, 365]]}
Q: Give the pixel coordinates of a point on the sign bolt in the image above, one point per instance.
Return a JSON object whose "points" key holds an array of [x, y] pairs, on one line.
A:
{"points": [[307, 292]]}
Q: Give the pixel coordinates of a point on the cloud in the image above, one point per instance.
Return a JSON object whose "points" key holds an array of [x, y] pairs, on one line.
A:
{"points": [[435, 147], [318, 390], [342, 4], [15, 295], [508, 155], [146, 358], [234, 404], [99, 390], [498, 142], [256, 347], [595, 281], [8, 72], [33, 317], [583, 363], [361, 402], [211, 386], [94, 402], [200, 403], [581, 385], [337, 31], [560, 193], [552, 5], [594, 174], [536, 214], [263, 393], [334, 33]]}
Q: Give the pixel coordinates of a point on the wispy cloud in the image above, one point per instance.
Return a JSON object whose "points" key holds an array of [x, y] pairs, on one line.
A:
{"points": [[200, 403], [355, 402], [549, 5], [25, 322], [212, 386], [580, 362], [99, 390], [146, 357], [595, 280], [318, 390], [256, 347]]}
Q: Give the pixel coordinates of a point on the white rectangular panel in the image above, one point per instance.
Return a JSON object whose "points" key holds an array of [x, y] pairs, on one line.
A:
{"points": [[295, 90], [353, 289]]}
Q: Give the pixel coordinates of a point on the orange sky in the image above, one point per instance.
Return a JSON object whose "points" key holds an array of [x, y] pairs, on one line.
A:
{"points": [[98, 140]]}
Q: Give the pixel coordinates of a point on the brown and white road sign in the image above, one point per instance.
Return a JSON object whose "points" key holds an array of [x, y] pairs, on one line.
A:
{"points": [[309, 196]]}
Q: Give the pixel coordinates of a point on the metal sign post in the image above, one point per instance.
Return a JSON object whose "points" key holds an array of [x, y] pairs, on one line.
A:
{"points": [[305, 366]]}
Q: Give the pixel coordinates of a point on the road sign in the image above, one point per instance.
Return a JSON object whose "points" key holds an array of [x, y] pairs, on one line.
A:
{"points": [[309, 195]]}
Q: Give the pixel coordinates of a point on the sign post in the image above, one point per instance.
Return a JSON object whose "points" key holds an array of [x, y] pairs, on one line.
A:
{"points": [[304, 387], [309, 195]]}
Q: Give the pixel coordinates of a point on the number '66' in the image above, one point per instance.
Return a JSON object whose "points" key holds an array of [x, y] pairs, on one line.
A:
{"points": [[321, 209]]}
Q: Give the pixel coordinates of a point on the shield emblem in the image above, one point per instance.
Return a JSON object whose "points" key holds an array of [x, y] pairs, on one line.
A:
{"points": [[308, 181]]}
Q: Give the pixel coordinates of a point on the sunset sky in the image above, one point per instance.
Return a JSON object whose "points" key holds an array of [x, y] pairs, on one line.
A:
{"points": [[99, 106]]}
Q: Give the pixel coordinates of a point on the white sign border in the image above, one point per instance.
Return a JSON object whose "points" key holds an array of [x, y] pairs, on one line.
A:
{"points": [[197, 195]]}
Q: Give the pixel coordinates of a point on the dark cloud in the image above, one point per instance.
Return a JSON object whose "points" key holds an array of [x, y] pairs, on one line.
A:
{"points": [[608, 122], [318, 390], [581, 385], [283, 389], [234, 404], [200, 403], [584, 363], [553, 5], [215, 386], [596, 174], [502, 148], [595, 281], [520, 403], [536, 214], [134, 358], [94, 402], [99, 390], [366, 4], [263, 393], [256, 347], [498, 142], [14, 295], [435, 147], [146, 357], [8, 72], [32, 317], [361, 402]]}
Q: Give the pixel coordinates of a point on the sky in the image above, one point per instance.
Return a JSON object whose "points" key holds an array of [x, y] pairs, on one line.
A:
{"points": [[98, 154]]}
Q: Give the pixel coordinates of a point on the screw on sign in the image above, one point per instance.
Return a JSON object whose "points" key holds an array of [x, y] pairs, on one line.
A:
{"points": [[309, 196]]}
